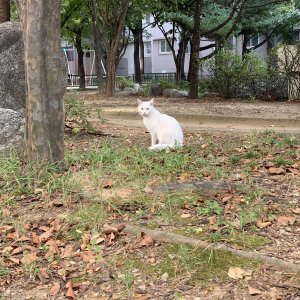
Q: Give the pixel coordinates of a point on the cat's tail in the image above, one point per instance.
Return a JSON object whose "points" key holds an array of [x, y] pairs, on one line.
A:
{"points": [[159, 147]]}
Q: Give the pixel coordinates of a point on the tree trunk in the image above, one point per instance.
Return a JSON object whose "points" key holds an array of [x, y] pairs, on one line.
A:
{"points": [[80, 55], [136, 56], [142, 54], [180, 58], [194, 59], [96, 37], [45, 80], [4, 11], [111, 74]]}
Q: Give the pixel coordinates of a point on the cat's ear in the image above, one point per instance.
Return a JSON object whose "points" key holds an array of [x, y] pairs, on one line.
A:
{"points": [[152, 101], [139, 102]]}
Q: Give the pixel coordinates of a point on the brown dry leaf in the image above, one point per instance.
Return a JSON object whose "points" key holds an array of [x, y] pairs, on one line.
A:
{"points": [[5, 228], [285, 220], [146, 240], [107, 184], [29, 258], [88, 256], [107, 229], [185, 216], [53, 248], [35, 238], [236, 273], [11, 236], [15, 260], [148, 190], [55, 224], [6, 212], [68, 251], [55, 289], [86, 238], [293, 171], [226, 198], [17, 251], [260, 224], [43, 273], [46, 235], [38, 191], [296, 210], [276, 171], [253, 290]]}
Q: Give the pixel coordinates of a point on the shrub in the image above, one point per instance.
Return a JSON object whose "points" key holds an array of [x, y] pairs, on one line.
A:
{"points": [[167, 85], [122, 82], [234, 76], [77, 114]]}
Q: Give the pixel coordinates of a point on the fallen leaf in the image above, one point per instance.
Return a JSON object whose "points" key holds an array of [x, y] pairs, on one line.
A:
{"points": [[146, 240], [53, 248], [5, 228], [38, 191], [6, 212], [185, 216], [17, 251], [115, 228], [29, 258], [276, 171], [43, 273], [253, 291], [285, 220], [107, 184], [88, 256], [148, 190], [296, 210], [55, 289], [46, 235], [236, 273], [262, 225], [15, 260], [68, 251]]}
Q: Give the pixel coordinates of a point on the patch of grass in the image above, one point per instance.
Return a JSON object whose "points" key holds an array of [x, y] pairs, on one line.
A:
{"points": [[183, 261], [4, 271], [247, 240]]}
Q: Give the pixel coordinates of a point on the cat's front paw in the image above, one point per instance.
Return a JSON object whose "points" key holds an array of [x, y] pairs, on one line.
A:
{"points": [[152, 147]]}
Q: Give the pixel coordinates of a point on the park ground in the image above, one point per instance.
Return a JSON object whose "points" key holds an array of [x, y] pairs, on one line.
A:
{"points": [[236, 182]]}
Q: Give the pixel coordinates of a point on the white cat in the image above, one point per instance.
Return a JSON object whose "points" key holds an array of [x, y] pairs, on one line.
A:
{"points": [[165, 130]]}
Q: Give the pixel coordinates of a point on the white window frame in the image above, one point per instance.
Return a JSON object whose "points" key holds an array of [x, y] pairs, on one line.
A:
{"points": [[166, 46], [250, 42], [147, 48]]}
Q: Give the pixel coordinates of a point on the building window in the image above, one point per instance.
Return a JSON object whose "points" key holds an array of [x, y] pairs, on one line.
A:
{"points": [[147, 48], [296, 35], [188, 48], [70, 55], [254, 40], [164, 47], [147, 18]]}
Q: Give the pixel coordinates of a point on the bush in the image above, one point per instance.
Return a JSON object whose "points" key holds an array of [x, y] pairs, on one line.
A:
{"points": [[122, 82], [77, 114], [234, 76], [167, 85]]}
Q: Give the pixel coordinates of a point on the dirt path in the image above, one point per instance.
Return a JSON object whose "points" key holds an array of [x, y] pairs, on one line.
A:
{"points": [[207, 114]]}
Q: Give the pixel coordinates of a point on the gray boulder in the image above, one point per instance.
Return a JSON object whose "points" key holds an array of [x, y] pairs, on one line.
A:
{"points": [[12, 74], [11, 129], [173, 93], [156, 89]]}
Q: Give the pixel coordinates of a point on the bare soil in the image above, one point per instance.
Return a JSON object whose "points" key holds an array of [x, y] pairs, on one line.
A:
{"points": [[213, 114]]}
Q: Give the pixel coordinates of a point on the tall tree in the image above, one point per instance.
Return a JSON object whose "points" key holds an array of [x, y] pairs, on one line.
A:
{"points": [[112, 14], [44, 78], [4, 11], [194, 60], [75, 26], [92, 5]]}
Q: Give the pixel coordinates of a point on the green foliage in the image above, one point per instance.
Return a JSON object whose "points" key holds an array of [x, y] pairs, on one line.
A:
{"points": [[122, 82], [236, 76], [167, 85], [211, 207], [78, 114]]}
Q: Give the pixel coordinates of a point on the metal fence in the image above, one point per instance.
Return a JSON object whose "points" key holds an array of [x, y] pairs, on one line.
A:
{"points": [[155, 77], [90, 80]]}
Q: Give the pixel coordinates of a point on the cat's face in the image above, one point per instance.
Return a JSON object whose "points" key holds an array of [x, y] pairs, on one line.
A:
{"points": [[145, 108]]}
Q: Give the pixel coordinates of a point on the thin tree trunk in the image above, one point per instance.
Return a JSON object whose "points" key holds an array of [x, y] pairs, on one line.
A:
{"points": [[45, 80], [111, 74], [80, 55], [142, 54], [194, 59], [4, 11], [180, 58], [136, 56], [96, 37]]}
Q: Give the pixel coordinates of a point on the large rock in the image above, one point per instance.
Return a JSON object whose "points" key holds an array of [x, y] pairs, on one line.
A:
{"points": [[173, 93], [156, 89], [12, 74], [11, 129]]}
